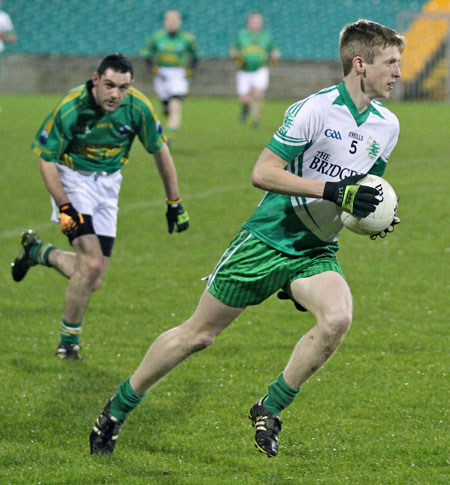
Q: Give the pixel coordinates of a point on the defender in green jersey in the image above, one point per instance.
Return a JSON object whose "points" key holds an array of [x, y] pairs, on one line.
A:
{"points": [[82, 145], [253, 49], [172, 55], [309, 169]]}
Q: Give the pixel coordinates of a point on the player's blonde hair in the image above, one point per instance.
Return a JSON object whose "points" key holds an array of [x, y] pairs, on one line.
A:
{"points": [[365, 38]]}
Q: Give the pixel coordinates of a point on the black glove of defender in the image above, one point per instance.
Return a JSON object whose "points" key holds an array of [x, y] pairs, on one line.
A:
{"points": [[176, 216], [359, 200]]}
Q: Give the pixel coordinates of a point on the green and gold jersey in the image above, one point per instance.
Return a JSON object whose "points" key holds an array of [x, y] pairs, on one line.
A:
{"points": [[254, 49], [171, 50], [80, 135], [323, 137]]}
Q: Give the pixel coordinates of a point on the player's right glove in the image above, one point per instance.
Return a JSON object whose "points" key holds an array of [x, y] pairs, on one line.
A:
{"points": [[359, 200], [176, 216], [69, 219]]}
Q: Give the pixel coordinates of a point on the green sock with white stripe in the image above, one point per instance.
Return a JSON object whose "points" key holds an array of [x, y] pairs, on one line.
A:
{"points": [[70, 332], [39, 253]]}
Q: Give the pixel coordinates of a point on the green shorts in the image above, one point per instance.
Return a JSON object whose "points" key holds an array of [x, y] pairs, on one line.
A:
{"points": [[250, 271]]}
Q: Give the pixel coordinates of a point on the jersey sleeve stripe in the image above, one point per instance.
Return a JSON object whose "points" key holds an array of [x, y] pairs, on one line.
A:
{"points": [[292, 142], [137, 94], [290, 138]]}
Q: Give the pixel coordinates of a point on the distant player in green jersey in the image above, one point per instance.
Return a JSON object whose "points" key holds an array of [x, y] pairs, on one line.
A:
{"points": [[309, 169], [253, 49], [172, 55], [82, 146]]}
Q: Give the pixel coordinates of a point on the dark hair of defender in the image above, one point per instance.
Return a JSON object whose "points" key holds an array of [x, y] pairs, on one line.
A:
{"points": [[117, 62]]}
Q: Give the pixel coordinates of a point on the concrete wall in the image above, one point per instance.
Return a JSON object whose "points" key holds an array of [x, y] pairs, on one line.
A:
{"points": [[57, 74]]}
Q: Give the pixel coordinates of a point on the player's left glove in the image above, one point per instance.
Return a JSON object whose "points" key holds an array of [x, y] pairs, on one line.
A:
{"points": [[176, 216], [359, 200], [384, 233], [69, 219]]}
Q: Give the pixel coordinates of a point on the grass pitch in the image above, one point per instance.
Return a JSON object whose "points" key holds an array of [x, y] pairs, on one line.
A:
{"points": [[376, 413]]}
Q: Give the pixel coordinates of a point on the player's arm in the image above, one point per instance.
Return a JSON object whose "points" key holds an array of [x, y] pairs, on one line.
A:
{"points": [[234, 53], [274, 56], [194, 55], [176, 215], [269, 174], [69, 217], [149, 55], [52, 181], [9, 37]]}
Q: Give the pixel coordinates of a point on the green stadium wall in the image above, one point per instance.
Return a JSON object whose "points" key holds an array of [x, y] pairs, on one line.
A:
{"points": [[303, 29]]}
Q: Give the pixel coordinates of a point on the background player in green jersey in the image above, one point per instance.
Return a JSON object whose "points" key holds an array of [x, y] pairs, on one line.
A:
{"points": [[82, 146], [173, 55], [290, 241], [253, 49]]}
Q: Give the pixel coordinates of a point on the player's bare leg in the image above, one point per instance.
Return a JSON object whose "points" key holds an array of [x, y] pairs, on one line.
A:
{"points": [[167, 351], [172, 347], [88, 270], [327, 296], [257, 98], [245, 106], [174, 107], [65, 263]]}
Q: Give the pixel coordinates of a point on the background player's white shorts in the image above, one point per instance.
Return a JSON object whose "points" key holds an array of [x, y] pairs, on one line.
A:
{"points": [[170, 81], [247, 80], [93, 193]]}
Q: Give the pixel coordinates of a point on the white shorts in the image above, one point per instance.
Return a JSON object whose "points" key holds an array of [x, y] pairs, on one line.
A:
{"points": [[170, 81], [92, 193], [247, 80]]}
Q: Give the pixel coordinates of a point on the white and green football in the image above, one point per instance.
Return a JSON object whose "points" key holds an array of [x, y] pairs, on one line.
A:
{"points": [[384, 214]]}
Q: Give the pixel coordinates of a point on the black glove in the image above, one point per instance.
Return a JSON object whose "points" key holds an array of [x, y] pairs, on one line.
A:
{"points": [[384, 233], [69, 219], [359, 200], [176, 215]]}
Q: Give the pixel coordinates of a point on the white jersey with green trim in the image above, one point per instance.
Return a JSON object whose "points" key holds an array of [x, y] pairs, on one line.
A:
{"points": [[323, 137]]}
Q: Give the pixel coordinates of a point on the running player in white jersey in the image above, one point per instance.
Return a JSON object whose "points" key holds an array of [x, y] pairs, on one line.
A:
{"points": [[310, 167]]}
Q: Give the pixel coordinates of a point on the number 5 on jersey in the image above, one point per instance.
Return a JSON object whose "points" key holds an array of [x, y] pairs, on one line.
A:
{"points": [[353, 147]]}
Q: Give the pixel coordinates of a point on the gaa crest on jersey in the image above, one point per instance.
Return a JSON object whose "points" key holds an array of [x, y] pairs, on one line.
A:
{"points": [[329, 133], [43, 137], [373, 148]]}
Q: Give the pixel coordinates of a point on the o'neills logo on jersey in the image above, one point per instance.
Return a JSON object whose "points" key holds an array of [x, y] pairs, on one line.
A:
{"points": [[320, 163], [329, 133], [355, 136]]}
